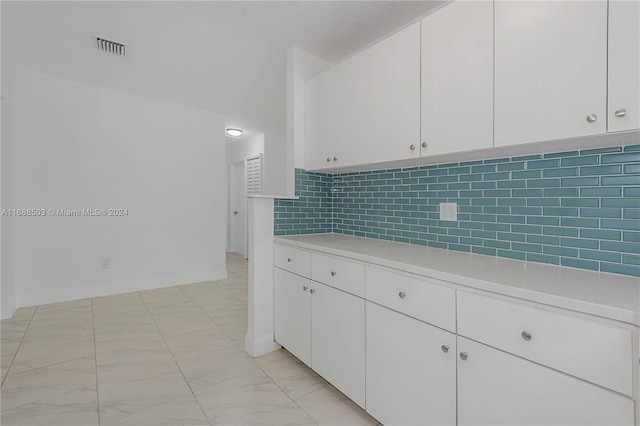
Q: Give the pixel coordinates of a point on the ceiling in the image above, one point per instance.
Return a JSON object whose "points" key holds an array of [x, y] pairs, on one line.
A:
{"points": [[228, 57]]}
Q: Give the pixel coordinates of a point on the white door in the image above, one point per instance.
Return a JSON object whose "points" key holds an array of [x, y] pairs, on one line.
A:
{"points": [[237, 209], [395, 97], [495, 388], [624, 65], [318, 119], [292, 314], [457, 78], [337, 340], [411, 370], [550, 70], [351, 103]]}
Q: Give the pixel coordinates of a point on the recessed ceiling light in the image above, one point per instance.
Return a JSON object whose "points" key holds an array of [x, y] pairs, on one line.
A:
{"points": [[234, 132]]}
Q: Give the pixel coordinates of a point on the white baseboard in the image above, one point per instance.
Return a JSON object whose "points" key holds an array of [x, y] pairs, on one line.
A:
{"points": [[260, 346], [109, 289]]}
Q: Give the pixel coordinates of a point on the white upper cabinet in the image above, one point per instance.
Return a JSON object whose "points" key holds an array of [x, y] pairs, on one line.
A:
{"points": [[395, 97], [550, 70], [457, 78], [319, 134], [350, 111], [624, 65]]}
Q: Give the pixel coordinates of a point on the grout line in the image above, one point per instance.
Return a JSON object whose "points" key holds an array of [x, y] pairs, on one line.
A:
{"points": [[20, 344], [95, 359]]}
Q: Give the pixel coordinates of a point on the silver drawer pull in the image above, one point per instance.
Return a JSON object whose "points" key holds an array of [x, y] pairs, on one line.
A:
{"points": [[304, 288], [445, 348], [402, 295], [289, 259], [464, 356], [333, 273], [621, 112], [312, 291], [592, 118], [526, 335]]}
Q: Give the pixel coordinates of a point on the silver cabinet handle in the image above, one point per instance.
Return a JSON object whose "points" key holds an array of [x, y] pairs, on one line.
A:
{"points": [[621, 112], [312, 291], [445, 348], [526, 335], [304, 288], [402, 295], [335, 158], [333, 273], [412, 147], [464, 356], [424, 144], [591, 118], [289, 259], [328, 160]]}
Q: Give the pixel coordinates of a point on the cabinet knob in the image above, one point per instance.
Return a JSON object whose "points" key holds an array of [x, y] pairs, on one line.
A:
{"points": [[402, 295], [591, 118], [335, 158], [412, 147], [526, 335], [289, 259], [304, 288], [333, 273], [328, 160], [445, 348], [312, 291], [621, 112], [424, 144], [464, 356]]}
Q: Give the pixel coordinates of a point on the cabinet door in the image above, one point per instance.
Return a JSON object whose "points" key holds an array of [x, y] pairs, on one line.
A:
{"points": [[337, 330], [318, 118], [550, 70], [624, 65], [395, 97], [457, 78], [411, 380], [350, 111], [495, 388], [292, 314]]}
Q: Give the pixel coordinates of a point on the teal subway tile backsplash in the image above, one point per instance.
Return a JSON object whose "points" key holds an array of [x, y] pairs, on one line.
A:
{"points": [[577, 209]]}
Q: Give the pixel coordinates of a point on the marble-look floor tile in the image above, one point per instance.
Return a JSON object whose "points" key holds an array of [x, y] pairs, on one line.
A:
{"points": [[208, 368], [75, 408], [118, 400], [232, 283], [43, 351], [293, 377], [228, 314], [235, 330], [116, 304], [63, 318], [197, 342], [135, 365], [240, 294], [182, 411], [34, 385], [63, 305], [327, 406], [164, 296], [171, 324], [287, 415], [236, 400], [24, 313], [272, 357]]}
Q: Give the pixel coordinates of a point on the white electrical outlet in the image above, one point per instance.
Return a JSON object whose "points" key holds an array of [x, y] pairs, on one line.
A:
{"points": [[449, 211], [105, 262]]}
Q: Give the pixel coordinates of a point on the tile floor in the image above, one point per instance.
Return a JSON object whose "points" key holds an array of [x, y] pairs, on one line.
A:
{"points": [[170, 356]]}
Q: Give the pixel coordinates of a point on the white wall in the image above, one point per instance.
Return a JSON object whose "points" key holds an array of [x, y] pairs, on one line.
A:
{"points": [[301, 66], [239, 150], [80, 146]]}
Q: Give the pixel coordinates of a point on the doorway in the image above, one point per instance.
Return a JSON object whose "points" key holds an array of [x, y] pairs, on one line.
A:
{"points": [[237, 209]]}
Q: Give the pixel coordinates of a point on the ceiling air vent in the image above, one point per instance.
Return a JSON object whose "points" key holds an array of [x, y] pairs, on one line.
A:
{"points": [[110, 46]]}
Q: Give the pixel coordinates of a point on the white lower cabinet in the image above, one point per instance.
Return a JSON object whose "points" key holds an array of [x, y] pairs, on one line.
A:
{"points": [[496, 388], [411, 370], [292, 314], [337, 340]]}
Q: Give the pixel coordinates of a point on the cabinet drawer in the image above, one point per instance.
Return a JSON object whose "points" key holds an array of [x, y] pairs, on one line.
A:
{"points": [[293, 260], [417, 297], [595, 351], [338, 273]]}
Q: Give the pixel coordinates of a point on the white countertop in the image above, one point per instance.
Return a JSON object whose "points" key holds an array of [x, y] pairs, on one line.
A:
{"points": [[607, 295]]}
